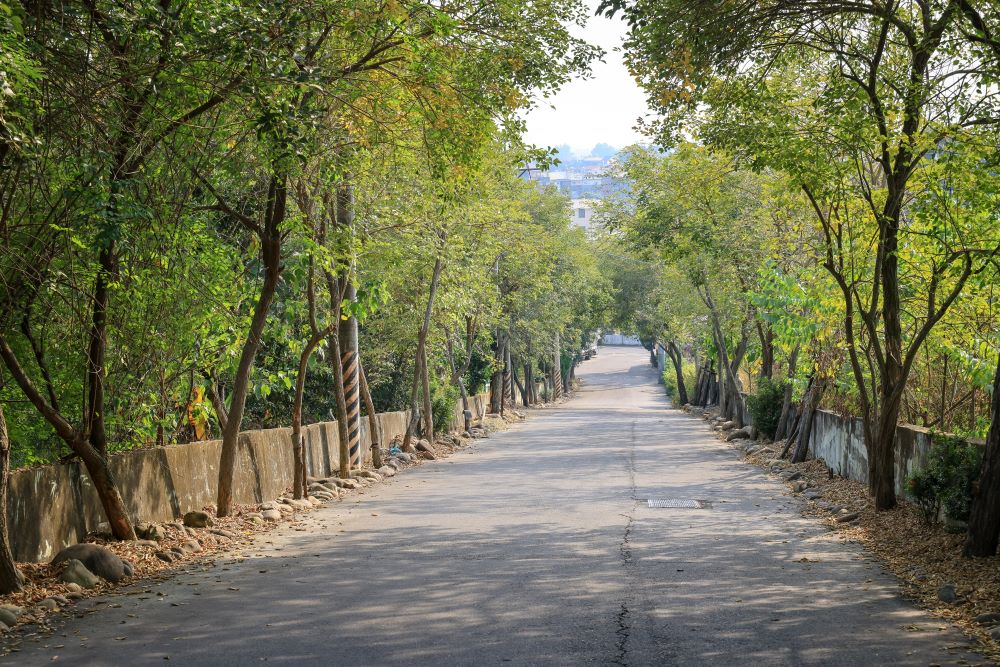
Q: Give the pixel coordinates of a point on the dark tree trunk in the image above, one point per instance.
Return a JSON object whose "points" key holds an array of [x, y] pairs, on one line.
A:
{"points": [[270, 239], [425, 381], [781, 431], [420, 373], [10, 578], [766, 336], [678, 360], [95, 462], [984, 522], [373, 425], [809, 404]]}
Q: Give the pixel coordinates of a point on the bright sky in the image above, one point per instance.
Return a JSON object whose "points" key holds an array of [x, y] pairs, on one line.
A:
{"points": [[603, 108]]}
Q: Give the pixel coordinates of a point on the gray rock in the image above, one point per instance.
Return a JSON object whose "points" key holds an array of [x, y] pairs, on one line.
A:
{"points": [[947, 594], [988, 618], [812, 494], [48, 604], [191, 546], [167, 556], [387, 471], [271, 515], [76, 573], [727, 426], [222, 532], [150, 531], [791, 475], [424, 446], [799, 486], [13, 609], [100, 560], [743, 433], [197, 519], [366, 474], [995, 633], [847, 518], [8, 617], [73, 587], [4, 628]]}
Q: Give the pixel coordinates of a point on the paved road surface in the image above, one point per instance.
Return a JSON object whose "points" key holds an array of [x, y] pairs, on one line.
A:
{"points": [[536, 547]]}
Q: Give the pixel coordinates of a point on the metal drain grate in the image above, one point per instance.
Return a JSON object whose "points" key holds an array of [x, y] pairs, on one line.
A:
{"points": [[677, 503]]}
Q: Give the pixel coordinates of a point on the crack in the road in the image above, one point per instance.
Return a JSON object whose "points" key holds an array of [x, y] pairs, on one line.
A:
{"points": [[623, 620]]}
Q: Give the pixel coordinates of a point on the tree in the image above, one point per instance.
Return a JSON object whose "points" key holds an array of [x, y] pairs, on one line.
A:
{"points": [[984, 522], [879, 90]]}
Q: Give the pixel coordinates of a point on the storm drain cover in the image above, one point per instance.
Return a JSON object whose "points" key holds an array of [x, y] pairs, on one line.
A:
{"points": [[677, 503]]}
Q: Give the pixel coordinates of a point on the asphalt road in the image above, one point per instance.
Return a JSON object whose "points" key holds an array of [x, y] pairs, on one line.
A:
{"points": [[536, 546]]}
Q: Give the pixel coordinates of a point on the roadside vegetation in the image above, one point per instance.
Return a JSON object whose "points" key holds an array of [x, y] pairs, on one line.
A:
{"points": [[218, 216], [818, 225]]}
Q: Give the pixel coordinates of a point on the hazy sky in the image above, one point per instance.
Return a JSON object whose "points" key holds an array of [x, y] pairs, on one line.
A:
{"points": [[603, 108]]}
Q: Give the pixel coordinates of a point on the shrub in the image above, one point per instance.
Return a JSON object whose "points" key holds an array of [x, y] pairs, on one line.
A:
{"points": [[765, 405], [947, 481], [444, 398], [670, 379]]}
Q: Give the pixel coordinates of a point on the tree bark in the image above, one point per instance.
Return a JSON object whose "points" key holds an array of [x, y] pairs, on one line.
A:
{"points": [[421, 345], [786, 402], [425, 382], [10, 578], [809, 404], [95, 462], [984, 521], [678, 360], [374, 429], [557, 388], [270, 240]]}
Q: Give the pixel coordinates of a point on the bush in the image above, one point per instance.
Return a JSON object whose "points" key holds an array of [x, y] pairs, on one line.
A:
{"points": [[946, 483], [444, 398], [765, 405], [670, 379]]}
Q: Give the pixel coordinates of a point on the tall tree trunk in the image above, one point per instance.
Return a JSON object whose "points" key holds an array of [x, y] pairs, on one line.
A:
{"points": [[809, 405], [678, 360], [508, 373], [299, 488], [428, 405], [348, 328], [496, 378], [421, 346], [340, 402], [270, 239], [95, 462], [766, 335], [414, 420], [984, 521], [528, 397], [373, 426], [557, 387], [10, 578], [786, 402]]}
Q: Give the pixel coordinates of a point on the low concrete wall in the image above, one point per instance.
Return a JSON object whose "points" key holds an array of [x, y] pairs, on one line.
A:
{"points": [[840, 441], [51, 507]]}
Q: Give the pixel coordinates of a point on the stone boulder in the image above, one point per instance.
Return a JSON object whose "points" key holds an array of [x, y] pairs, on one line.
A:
{"points": [[424, 446], [9, 614], [740, 433], [77, 573], [100, 560], [430, 456], [197, 519], [150, 531]]}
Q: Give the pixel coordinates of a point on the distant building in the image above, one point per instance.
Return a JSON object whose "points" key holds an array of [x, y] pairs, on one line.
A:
{"points": [[583, 214]]}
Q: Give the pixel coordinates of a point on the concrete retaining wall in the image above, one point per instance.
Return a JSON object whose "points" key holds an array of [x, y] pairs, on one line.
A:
{"points": [[840, 441], [51, 507]]}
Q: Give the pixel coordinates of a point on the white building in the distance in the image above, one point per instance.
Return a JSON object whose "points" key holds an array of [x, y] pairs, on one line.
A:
{"points": [[583, 214]]}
